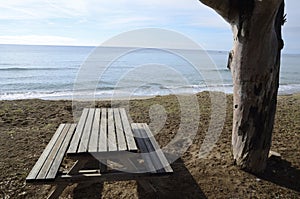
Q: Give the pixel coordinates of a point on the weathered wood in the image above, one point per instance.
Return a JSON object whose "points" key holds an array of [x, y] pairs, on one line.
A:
{"points": [[103, 131], [255, 64], [111, 140], [52, 155], [60, 187], [84, 141], [143, 149], [127, 130], [38, 165], [57, 191], [149, 149], [78, 133], [154, 157], [60, 155], [47, 166], [94, 139], [157, 148], [119, 131], [255, 68], [113, 176], [255, 71], [107, 122]]}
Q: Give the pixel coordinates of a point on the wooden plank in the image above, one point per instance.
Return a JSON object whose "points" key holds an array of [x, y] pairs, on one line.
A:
{"points": [[102, 147], [150, 149], [78, 133], [97, 178], [111, 140], [113, 176], [157, 148], [84, 142], [93, 144], [121, 142], [52, 155], [127, 130], [60, 155], [38, 165], [144, 151]]}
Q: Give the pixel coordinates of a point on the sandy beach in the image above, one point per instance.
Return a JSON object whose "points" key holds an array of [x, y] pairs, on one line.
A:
{"points": [[26, 126]]}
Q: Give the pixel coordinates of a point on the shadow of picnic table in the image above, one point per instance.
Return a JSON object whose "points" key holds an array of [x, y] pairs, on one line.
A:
{"points": [[180, 184]]}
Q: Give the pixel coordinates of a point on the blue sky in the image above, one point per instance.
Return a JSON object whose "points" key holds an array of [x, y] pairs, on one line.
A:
{"points": [[91, 22]]}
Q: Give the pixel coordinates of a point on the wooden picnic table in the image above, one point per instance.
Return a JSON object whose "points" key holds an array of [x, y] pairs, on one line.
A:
{"points": [[102, 135]]}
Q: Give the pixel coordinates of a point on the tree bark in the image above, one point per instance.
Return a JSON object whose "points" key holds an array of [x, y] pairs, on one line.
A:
{"points": [[254, 64]]}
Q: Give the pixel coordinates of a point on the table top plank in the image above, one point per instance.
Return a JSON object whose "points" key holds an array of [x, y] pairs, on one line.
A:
{"points": [[84, 142], [102, 147], [121, 142], [111, 140], [93, 145], [127, 130], [78, 133]]}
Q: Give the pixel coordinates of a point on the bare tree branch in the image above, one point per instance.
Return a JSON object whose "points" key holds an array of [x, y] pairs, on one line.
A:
{"points": [[231, 10], [226, 8]]}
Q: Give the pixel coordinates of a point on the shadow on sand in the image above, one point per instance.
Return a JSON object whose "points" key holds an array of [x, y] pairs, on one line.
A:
{"points": [[181, 184], [282, 173]]}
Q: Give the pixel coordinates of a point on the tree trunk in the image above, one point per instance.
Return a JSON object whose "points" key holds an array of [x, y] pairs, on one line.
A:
{"points": [[254, 64]]}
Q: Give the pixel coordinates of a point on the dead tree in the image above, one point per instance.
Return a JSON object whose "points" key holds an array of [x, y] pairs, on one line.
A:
{"points": [[254, 64]]}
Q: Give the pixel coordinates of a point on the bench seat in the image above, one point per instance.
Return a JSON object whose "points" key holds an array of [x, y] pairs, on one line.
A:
{"points": [[48, 164], [152, 154]]}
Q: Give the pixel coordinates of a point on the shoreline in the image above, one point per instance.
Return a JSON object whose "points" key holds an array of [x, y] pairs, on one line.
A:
{"points": [[134, 97]]}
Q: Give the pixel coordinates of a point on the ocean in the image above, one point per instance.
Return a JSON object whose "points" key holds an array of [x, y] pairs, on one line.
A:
{"points": [[73, 72]]}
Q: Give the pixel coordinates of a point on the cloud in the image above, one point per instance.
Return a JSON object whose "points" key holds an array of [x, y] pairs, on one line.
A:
{"points": [[42, 9], [93, 20], [38, 40], [112, 16]]}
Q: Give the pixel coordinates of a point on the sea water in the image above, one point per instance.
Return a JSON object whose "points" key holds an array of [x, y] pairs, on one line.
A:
{"points": [[56, 72]]}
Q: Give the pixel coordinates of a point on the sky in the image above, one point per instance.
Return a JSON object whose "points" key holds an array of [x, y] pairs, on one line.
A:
{"points": [[92, 22]]}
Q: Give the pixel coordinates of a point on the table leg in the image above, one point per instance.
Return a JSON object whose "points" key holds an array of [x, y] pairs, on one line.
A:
{"points": [[57, 190], [79, 164], [61, 186], [103, 166]]}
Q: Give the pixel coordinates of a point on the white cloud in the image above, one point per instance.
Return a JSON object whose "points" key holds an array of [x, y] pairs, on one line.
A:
{"points": [[38, 40], [41, 9], [95, 19]]}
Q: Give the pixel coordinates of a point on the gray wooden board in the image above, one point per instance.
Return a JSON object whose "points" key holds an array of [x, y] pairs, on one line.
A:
{"points": [[52, 155], [38, 165], [103, 131], [150, 149], [149, 144], [127, 130], [83, 146], [60, 155], [93, 144], [78, 133], [143, 149], [111, 141], [119, 131], [158, 150]]}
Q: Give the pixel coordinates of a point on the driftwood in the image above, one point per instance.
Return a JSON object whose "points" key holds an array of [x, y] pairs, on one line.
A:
{"points": [[254, 63]]}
